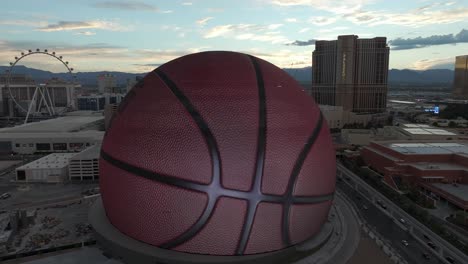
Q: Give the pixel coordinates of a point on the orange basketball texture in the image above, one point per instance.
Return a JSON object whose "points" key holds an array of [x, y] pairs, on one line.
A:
{"points": [[218, 153]]}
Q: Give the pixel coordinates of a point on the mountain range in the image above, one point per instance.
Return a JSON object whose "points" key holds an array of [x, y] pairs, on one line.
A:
{"points": [[396, 77]]}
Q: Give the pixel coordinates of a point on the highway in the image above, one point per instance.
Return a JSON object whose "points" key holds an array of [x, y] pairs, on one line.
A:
{"points": [[417, 229], [386, 227]]}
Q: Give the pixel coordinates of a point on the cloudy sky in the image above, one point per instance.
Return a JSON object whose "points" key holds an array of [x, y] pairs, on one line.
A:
{"points": [[137, 36]]}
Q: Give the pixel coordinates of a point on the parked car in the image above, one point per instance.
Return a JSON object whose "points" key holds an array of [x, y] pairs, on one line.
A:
{"points": [[365, 207], [431, 245], [450, 259], [404, 242], [426, 256], [402, 221], [5, 196]]}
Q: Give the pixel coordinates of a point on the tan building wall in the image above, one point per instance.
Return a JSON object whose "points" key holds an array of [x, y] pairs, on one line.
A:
{"points": [[352, 73], [460, 82]]}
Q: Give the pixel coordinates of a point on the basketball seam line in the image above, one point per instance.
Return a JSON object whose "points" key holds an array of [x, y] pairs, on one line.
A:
{"points": [[214, 193], [215, 160], [293, 179], [205, 188], [260, 160]]}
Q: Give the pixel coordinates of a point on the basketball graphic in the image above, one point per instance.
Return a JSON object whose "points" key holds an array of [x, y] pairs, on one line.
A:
{"points": [[218, 153]]}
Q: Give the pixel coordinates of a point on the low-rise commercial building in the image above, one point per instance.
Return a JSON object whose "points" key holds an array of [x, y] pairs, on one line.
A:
{"points": [[84, 166], [109, 112], [364, 137], [97, 102], [64, 134], [60, 167], [439, 168], [337, 117], [51, 168], [30, 143]]}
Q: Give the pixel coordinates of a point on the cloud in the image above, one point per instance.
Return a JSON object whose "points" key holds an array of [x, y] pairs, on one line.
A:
{"points": [[107, 57], [322, 21], [420, 42], [264, 33], [333, 6], [91, 57], [127, 5], [187, 3], [291, 20], [356, 12], [86, 33], [303, 30], [284, 58], [334, 29], [439, 63], [21, 22], [215, 10], [203, 21], [77, 25], [302, 43], [149, 64], [415, 18]]}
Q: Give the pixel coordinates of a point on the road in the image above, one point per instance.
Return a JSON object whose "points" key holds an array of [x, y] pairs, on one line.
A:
{"points": [[419, 230], [386, 227]]}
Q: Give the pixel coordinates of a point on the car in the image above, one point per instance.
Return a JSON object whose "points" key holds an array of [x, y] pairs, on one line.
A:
{"points": [[431, 245], [5, 196], [404, 242], [450, 259], [402, 221], [426, 237], [365, 207], [426, 256]]}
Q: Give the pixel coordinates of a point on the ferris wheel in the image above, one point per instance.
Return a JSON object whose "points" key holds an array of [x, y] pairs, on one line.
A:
{"points": [[41, 103]]}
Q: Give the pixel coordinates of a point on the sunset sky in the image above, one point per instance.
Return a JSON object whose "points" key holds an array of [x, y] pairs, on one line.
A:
{"points": [[137, 36]]}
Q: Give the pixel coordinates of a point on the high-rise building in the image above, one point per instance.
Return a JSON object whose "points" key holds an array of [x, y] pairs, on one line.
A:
{"points": [[107, 83], [352, 73], [132, 82], [460, 82], [62, 93], [22, 88], [59, 93], [109, 111]]}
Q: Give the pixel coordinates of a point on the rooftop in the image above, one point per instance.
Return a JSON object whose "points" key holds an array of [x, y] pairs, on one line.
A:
{"points": [[61, 124], [429, 148], [416, 126], [52, 161], [92, 152], [96, 135], [438, 166], [429, 131], [460, 190]]}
